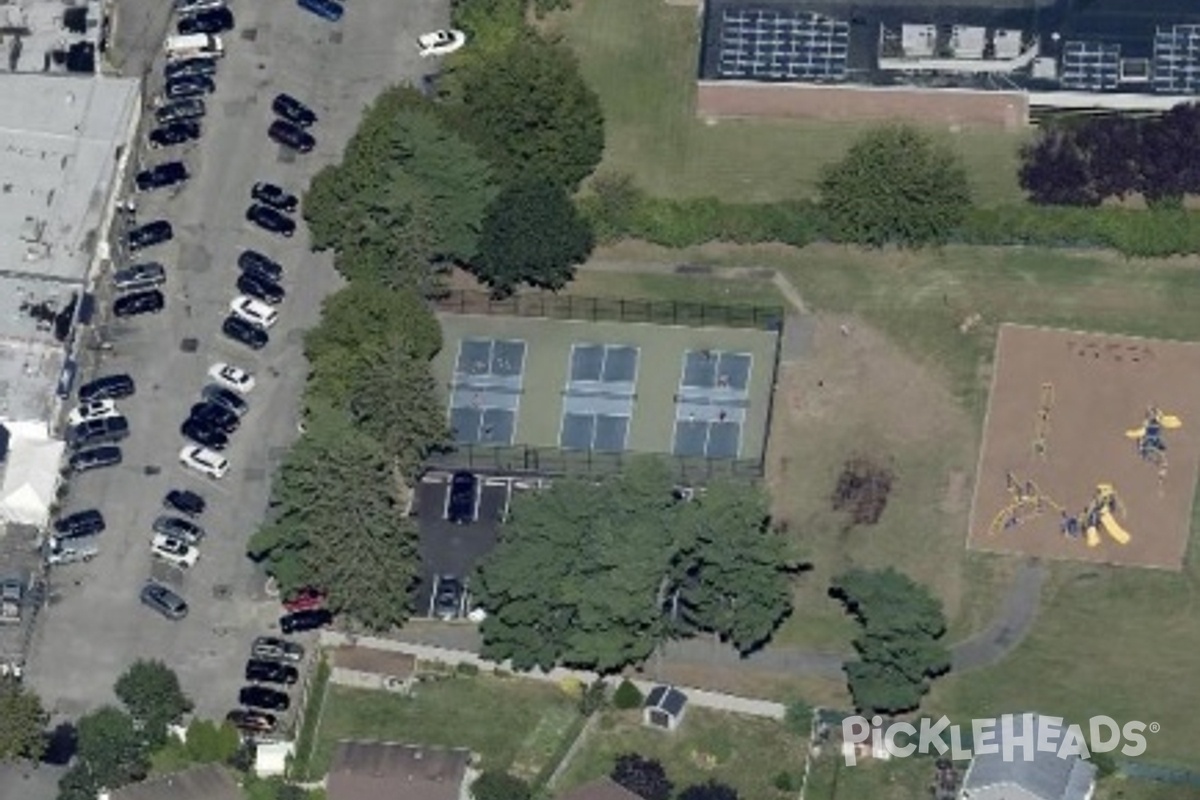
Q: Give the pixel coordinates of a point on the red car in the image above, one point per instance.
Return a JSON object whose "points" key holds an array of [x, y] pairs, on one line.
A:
{"points": [[306, 599]]}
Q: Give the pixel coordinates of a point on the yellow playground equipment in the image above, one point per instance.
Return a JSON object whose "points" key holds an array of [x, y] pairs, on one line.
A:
{"points": [[1099, 515], [1026, 501]]}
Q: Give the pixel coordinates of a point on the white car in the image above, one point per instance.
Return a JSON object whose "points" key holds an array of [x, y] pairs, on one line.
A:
{"points": [[174, 551], [97, 409], [205, 461], [254, 311], [233, 378], [440, 43]]}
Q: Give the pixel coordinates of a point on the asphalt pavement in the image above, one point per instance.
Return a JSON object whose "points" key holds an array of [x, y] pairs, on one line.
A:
{"points": [[94, 625]]}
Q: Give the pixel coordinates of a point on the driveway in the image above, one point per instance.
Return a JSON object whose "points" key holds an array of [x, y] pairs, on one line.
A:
{"points": [[94, 625]]}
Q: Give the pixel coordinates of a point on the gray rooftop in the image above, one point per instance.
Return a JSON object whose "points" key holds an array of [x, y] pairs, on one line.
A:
{"points": [[36, 33], [210, 782], [29, 373], [60, 137], [1046, 777]]}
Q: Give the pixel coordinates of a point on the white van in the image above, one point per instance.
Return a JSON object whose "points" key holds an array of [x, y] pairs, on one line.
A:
{"points": [[193, 45]]}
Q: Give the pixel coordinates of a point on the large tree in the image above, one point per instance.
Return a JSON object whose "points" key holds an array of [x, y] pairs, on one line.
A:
{"points": [[900, 647], [533, 234], [895, 185], [709, 790], [23, 732], [112, 752], [643, 776], [531, 112], [151, 693]]}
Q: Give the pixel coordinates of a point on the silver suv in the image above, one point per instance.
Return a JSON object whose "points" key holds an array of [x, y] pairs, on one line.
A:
{"points": [[139, 276], [164, 601]]}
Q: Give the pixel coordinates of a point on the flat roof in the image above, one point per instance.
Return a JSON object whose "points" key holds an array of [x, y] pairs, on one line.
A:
{"points": [[29, 373], [60, 141], [44, 37]]}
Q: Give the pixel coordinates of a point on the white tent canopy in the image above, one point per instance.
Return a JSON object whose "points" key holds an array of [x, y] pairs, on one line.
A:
{"points": [[31, 474]]}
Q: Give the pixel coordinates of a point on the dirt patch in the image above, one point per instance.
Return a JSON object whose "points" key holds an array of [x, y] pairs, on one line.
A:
{"points": [[1090, 448]]}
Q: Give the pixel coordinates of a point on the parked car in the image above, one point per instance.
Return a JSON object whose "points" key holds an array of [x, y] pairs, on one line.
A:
{"points": [[204, 461], [185, 501], [329, 10], [291, 135], [292, 110], [79, 524], [448, 596], [139, 277], [150, 234], [251, 721], [107, 430], [95, 458], [462, 499], [440, 43], [262, 697], [178, 528], [225, 398], [256, 263], [275, 196], [273, 648], [245, 332], [203, 434], [190, 109], [271, 220], [304, 600], [164, 601], [190, 66], [114, 387], [253, 311], [193, 6], [135, 304], [214, 416], [233, 378], [174, 551], [188, 86], [302, 621], [213, 20], [260, 671], [161, 176], [97, 409], [260, 288], [175, 133]]}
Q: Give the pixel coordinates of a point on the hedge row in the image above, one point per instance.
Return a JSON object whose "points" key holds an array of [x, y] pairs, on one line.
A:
{"points": [[621, 212]]}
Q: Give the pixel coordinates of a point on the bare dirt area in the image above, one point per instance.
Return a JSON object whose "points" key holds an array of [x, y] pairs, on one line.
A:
{"points": [[1090, 448]]}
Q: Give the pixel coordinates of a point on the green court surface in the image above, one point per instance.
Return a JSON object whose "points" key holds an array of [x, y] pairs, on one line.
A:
{"points": [[554, 358]]}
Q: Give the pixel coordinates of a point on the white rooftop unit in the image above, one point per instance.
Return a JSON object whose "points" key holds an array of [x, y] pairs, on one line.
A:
{"points": [[967, 41], [918, 41], [1006, 42]]}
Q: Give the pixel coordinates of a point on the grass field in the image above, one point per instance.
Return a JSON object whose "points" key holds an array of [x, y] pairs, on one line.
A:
{"points": [[509, 722], [744, 752], [641, 59]]}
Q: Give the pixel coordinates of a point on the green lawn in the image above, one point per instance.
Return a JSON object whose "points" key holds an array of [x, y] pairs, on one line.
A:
{"points": [[641, 58], [509, 722], [744, 752]]}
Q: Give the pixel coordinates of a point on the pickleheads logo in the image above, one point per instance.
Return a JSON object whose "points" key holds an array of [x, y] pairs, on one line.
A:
{"points": [[1025, 734]]}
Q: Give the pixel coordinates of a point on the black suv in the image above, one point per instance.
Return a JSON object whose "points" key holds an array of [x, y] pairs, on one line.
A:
{"points": [[161, 176], [105, 430], [261, 671], [190, 66], [271, 220], [79, 524], [214, 416], [148, 302], [188, 86], [204, 434], [110, 387], [95, 458], [290, 135], [460, 505], [256, 263], [245, 332], [262, 697], [293, 110], [214, 20], [185, 501], [174, 133], [225, 398], [180, 110], [302, 621], [258, 287], [150, 234], [274, 196]]}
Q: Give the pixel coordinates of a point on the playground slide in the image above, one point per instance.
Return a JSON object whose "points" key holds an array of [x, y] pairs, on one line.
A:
{"points": [[1113, 528], [1170, 421], [1093, 538]]}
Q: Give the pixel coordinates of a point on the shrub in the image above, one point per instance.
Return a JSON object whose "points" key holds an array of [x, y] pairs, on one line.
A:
{"points": [[465, 668], [495, 785], [627, 696], [593, 698], [786, 782]]}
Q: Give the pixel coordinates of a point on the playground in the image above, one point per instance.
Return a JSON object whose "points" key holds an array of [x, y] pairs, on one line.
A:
{"points": [[1090, 448]]}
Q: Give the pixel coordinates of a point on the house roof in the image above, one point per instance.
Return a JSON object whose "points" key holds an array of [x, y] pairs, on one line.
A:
{"points": [[391, 771], [667, 698], [1047, 776], [601, 789], [211, 782]]}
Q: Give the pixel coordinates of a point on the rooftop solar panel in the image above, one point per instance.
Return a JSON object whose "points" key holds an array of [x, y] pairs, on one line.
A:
{"points": [[782, 44]]}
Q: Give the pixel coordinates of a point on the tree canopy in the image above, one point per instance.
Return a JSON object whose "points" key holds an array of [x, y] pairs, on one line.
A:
{"points": [[111, 752], [709, 790], [150, 691], [23, 732], [596, 573], [900, 647], [896, 185], [532, 234], [643, 776]]}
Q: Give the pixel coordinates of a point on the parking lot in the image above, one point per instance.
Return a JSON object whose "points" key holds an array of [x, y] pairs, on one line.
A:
{"points": [[94, 625]]}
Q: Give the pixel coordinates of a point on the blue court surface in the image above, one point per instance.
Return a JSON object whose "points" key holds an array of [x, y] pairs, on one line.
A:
{"points": [[486, 393], [710, 407], [599, 397]]}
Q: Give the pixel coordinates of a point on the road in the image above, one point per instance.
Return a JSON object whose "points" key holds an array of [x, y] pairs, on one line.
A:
{"points": [[94, 626]]}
